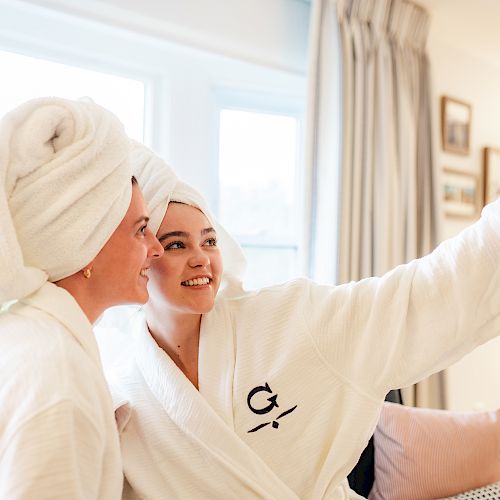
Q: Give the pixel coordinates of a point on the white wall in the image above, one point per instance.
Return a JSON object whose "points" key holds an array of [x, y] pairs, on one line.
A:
{"points": [[469, 75]]}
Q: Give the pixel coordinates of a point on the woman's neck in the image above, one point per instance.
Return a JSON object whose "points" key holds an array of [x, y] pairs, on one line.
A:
{"points": [[178, 334], [88, 302]]}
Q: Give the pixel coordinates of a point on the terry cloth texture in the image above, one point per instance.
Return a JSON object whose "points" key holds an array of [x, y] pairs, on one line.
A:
{"points": [[58, 437], [64, 188]]}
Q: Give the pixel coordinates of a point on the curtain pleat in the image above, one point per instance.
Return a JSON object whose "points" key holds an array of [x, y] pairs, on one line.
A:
{"points": [[324, 131], [348, 113]]}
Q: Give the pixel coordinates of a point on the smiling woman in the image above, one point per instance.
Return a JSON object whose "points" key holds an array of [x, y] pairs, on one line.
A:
{"points": [[184, 284], [73, 242], [257, 393]]}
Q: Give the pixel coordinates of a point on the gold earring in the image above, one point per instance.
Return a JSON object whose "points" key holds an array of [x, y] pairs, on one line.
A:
{"points": [[87, 273]]}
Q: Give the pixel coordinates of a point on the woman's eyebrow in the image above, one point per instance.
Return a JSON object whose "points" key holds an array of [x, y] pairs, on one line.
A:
{"points": [[142, 219], [207, 230], [177, 234]]}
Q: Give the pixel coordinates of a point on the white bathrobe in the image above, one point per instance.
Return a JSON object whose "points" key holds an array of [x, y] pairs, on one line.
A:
{"points": [[292, 377], [58, 437]]}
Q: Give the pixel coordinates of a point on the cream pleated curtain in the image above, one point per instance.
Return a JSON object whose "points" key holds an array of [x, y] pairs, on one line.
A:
{"points": [[370, 122]]}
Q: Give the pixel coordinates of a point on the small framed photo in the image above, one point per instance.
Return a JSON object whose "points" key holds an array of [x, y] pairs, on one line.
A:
{"points": [[460, 193], [455, 125], [491, 174]]}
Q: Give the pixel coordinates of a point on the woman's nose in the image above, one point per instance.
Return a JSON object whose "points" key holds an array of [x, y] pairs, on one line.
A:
{"points": [[155, 247], [198, 258]]}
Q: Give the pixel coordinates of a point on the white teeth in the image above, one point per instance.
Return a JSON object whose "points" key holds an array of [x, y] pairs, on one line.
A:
{"points": [[196, 282], [144, 272]]}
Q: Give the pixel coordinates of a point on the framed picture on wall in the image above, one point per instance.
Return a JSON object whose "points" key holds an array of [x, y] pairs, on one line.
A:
{"points": [[491, 174], [461, 195], [455, 125]]}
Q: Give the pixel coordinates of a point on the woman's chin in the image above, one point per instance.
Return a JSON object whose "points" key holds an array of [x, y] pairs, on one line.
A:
{"points": [[140, 297], [203, 308]]}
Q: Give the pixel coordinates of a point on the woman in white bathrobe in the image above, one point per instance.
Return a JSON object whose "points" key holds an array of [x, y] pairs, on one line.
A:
{"points": [[274, 393], [73, 241]]}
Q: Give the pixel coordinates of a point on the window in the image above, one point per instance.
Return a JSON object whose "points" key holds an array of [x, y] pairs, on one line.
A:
{"points": [[171, 97], [25, 78], [258, 191]]}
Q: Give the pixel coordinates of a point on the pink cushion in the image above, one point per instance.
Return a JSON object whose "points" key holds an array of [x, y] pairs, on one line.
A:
{"points": [[427, 454]]}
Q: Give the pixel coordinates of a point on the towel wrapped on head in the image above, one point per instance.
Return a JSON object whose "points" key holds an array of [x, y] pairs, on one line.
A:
{"points": [[160, 185], [65, 186]]}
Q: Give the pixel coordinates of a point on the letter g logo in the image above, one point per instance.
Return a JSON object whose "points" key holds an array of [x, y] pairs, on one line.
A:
{"points": [[272, 400]]}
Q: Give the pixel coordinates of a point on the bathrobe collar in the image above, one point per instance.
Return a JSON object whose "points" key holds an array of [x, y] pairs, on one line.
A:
{"points": [[216, 361], [196, 417]]}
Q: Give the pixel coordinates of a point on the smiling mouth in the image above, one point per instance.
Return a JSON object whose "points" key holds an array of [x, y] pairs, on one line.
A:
{"points": [[144, 272], [197, 282]]}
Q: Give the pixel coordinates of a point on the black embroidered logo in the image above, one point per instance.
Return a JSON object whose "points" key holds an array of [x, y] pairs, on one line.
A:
{"points": [[273, 402]]}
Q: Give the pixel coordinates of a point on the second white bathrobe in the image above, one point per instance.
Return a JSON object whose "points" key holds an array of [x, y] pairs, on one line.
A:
{"points": [[292, 377]]}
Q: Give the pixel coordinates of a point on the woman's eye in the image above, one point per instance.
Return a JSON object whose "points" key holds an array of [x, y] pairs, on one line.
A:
{"points": [[142, 230], [211, 242], [174, 245]]}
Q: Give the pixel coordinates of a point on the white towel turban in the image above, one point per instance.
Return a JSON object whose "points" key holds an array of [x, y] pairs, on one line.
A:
{"points": [[160, 185], [64, 188]]}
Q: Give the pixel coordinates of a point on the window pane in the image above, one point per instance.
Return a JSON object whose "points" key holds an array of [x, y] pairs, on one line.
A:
{"points": [[257, 202], [25, 77]]}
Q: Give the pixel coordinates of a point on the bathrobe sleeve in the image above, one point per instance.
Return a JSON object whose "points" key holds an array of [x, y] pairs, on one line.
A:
{"points": [[389, 332], [54, 454]]}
